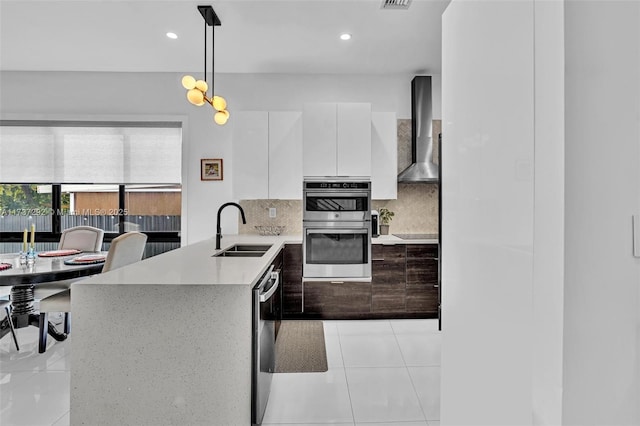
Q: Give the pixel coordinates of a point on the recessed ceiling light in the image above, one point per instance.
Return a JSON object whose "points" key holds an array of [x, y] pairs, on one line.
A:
{"points": [[345, 36], [172, 35]]}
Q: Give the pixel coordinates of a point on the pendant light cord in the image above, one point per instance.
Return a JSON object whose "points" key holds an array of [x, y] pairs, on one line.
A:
{"points": [[213, 46], [205, 50]]}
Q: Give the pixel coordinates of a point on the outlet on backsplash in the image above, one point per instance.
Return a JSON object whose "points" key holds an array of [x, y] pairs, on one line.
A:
{"points": [[287, 213]]}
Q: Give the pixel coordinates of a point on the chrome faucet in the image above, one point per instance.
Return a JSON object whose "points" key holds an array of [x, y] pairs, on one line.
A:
{"points": [[218, 229]]}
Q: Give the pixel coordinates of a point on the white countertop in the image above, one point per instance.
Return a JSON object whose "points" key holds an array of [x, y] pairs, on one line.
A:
{"points": [[195, 264]]}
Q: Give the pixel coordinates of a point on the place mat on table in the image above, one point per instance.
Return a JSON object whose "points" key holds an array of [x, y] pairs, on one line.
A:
{"points": [[59, 253], [5, 266], [86, 259], [300, 347]]}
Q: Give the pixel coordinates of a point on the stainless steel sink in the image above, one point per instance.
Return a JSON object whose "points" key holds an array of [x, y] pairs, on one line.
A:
{"points": [[249, 247], [244, 250], [240, 254]]}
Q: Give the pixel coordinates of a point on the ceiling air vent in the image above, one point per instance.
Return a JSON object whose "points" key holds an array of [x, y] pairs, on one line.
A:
{"points": [[396, 4]]}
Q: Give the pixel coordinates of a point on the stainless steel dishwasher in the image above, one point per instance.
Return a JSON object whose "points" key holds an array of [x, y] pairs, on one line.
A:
{"points": [[266, 314]]}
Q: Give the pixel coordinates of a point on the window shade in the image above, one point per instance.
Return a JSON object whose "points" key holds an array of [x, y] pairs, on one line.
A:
{"points": [[90, 154]]}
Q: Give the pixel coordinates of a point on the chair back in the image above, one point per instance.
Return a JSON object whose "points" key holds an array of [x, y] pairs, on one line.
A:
{"points": [[126, 249], [83, 238]]}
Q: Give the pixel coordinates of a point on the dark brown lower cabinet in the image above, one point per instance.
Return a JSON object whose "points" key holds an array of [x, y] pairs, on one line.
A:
{"points": [[422, 279], [388, 278], [404, 284], [337, 299], [292, 280]]}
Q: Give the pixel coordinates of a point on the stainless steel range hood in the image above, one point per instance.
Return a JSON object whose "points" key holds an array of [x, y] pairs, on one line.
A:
{"points": [[422, 168]]}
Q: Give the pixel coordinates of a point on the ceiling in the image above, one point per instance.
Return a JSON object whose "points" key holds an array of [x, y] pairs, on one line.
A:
{"points": [[256, 36]]}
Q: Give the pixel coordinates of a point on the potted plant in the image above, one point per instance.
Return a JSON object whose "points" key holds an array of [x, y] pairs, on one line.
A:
{"points": [[385, 218]]}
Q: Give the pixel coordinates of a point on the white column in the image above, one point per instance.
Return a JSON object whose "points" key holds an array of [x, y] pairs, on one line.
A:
{"points": [[488, 219]]}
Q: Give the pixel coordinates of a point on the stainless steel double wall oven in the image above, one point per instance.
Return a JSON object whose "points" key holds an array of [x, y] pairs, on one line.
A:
{"points": [[336, 228]]}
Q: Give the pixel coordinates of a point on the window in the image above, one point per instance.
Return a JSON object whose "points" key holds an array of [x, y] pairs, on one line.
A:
{"points": [[20, 206], [134, 170]]}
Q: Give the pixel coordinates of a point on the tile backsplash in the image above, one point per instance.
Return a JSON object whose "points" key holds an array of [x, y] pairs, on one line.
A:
{"points": [[288, 214], [416, 208]]}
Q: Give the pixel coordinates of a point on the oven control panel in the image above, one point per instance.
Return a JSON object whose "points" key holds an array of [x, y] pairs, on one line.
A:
{"points": [[337, 185]]}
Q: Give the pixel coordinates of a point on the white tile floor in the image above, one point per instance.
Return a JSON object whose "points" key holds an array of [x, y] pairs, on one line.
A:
{"points": [[382, 372]]}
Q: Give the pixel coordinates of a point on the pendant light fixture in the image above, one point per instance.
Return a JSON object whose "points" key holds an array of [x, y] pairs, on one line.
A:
{"points": [[197, 89]]}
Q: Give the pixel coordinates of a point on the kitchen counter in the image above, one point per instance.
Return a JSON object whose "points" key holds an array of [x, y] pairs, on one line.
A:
{"points": [[195, 265]]}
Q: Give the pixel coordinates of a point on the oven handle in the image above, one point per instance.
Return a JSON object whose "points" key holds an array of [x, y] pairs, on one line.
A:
{"points": [[329, 194], [272, 276], [337, 231]]}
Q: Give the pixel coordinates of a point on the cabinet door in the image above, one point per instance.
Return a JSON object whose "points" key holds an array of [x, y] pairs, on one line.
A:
{"points": [[384, 156], [285, 155], [333, 300], [292, 279], [250, 147], [388, 278], [353, 139], [319, 139], [422, 278]]}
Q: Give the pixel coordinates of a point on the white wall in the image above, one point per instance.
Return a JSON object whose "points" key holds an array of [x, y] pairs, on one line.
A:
{"points": [[77, 95], [602, 285], [487, 216]]}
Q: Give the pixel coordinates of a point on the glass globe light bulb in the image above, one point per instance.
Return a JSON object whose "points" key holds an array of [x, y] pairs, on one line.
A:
{"points": [[202, 86], [219, 103], [221, 117], [195, 97], [188, 82]]}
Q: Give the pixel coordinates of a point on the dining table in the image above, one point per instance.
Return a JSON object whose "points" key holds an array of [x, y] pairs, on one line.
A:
{"points": [[24, 277]]}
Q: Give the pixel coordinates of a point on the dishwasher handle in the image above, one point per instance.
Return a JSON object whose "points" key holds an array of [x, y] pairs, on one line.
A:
{"points": [[275, 276], [265, 278]]}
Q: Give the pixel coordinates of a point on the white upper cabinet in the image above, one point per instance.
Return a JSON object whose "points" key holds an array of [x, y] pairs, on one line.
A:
{"points": [[250, 168], [267, 155], [337, 139], [285, 155], [353, 140], [384, 156], [319, 129]]}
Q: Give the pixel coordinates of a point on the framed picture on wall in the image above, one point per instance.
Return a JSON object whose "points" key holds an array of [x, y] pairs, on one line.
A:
{"points": [[211, 169]]}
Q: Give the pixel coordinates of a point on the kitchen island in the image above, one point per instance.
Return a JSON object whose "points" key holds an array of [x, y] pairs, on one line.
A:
{"points": [[168, 340]]}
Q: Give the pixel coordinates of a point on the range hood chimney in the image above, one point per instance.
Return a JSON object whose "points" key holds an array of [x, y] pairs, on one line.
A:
{"points": [[422, 168]]}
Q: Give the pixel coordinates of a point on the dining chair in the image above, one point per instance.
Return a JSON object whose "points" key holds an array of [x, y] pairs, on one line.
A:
{"points": [[83, 238], [5, 304], [124, 250]]}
